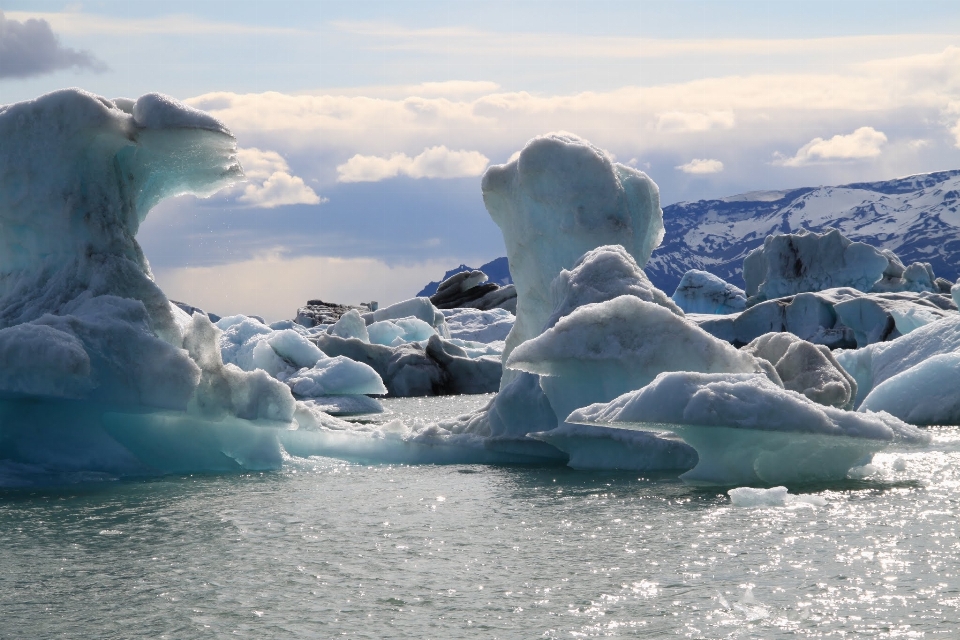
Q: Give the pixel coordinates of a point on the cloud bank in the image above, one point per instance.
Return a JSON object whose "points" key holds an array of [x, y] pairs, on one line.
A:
{"points": [[31, 48], [270, 183], [701, 166], [434, 162]]}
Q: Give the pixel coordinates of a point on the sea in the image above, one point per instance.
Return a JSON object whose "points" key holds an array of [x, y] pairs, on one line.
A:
{"points": [[323, 548]]}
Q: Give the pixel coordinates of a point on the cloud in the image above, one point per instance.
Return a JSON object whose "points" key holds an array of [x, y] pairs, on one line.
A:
{"points": [[269, 182], [453, 40], [691, 122], [434, 162], [864, 143], [76, 22], [31, 48], [701, 166], [274, 286]]}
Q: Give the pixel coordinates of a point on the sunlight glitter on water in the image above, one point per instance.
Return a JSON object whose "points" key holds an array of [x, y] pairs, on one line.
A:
{"points": [[325, 548]]}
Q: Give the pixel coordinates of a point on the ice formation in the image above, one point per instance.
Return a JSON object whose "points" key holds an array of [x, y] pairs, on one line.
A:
{"points": [[560, 198], [479, 326], [101, 373], [470, 289], [807, 261], [288, 356], [703, 292], [772, 497], [747, 430], [806, 368], [913, 377]]}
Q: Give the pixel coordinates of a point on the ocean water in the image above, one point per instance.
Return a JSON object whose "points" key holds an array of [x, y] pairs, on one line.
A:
{"points": [[326, 549]]}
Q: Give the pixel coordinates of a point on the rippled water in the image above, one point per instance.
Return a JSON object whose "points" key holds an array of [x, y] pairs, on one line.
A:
{"points": [[324, 548]]}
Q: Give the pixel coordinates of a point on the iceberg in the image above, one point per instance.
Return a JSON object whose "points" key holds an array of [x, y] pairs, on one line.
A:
{"points": [[749, 431], [807, 261], [806, 368], [703, 292], [101, 372], [560, 198]]}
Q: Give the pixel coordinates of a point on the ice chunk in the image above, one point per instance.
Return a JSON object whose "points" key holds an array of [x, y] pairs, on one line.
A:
{"points": [[399, 331], [808, 261], [558, 199], [872, 365], [338, 376], [351, 325], [928, 393], [420, 308], [603, 350], [806, 368], [703, 292], [604, 448], [772, 497], [479, 326], [747, 430]]}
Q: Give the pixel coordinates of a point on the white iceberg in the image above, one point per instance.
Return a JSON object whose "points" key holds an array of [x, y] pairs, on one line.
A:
{"points": [[560, 198], [703, 292], [747, 430]]}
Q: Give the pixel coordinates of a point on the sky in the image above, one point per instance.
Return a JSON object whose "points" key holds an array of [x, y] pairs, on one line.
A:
{"points": [[364, 127]]}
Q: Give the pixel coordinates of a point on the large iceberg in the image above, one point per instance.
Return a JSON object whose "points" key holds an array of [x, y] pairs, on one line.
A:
{"points": [[101, 373], [747, 430], [703, 292], [560, 198], [806, 261]]}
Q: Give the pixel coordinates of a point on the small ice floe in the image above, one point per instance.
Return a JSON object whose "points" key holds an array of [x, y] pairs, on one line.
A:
{"points": [[772, 497]]}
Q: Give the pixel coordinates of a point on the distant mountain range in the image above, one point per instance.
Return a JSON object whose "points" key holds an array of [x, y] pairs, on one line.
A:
{"points": [[916, 217]]}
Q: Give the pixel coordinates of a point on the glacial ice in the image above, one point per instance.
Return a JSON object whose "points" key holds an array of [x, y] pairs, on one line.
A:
{"points": [[703, 292], [560, 198], [99, 374], [772, 497], [806, 368], [806, 261], [747, 430], [479, 326]]}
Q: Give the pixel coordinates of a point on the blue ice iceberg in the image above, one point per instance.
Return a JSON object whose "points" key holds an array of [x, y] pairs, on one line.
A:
{"points": [[749, 431]]}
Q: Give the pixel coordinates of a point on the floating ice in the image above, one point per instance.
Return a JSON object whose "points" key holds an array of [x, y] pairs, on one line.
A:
{"points": [[807, 261], [772, 497], [420, 308], [703, 292], [560, 198], [479, 326], [806, 368], [747, 430], [101, 373]]}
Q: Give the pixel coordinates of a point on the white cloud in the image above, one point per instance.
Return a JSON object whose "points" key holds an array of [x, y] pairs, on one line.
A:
{"points": [[269, 182], [691, 122], [434, 162], [701, 166], [274, 286], [862, 144], [78, 22]]}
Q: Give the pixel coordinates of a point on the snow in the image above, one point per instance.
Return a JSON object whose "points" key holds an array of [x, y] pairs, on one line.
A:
{"points": [[703, 292], [748, 430]]}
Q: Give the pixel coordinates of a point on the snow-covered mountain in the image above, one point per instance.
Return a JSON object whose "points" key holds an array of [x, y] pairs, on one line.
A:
{"points": [[916, 217]]}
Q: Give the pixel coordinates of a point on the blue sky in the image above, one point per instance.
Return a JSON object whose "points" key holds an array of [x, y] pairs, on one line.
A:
{"points": [[365, 126]]}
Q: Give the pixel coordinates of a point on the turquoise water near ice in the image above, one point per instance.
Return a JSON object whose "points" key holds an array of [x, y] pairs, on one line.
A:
{"points": [[324, 548]]}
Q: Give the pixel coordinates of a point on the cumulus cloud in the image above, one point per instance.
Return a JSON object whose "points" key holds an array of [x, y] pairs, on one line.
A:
{"points": [[862, 144], [31, 48], [692, 122], [701, 166], [434, 162], [269, 182]]}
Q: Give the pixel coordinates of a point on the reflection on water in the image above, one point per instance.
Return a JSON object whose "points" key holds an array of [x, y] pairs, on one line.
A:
{"points": [[323, 548]]}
